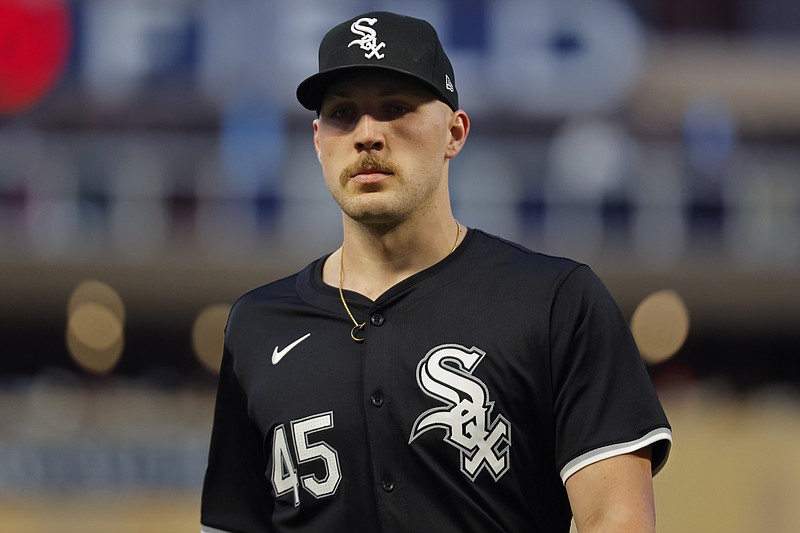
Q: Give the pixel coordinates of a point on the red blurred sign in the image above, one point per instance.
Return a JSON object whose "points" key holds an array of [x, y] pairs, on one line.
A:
{"points": [[34, 44]]}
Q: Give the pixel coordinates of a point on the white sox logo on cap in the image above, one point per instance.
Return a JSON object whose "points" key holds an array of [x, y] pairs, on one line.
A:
{"points": [[369, 38], [383, 40]]}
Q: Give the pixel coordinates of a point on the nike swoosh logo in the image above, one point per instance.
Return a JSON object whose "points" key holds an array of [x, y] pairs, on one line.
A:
{"points": [[277, 354]]}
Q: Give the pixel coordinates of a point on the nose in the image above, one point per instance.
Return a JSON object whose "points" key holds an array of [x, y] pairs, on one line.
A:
{"points": [[368, 134]]}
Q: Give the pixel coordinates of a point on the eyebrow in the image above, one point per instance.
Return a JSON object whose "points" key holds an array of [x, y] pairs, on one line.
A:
{"points": [[382, 94], [388, 90]]}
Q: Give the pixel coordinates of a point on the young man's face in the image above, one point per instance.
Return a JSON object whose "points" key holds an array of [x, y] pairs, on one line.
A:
{"points": [[383, 141]]}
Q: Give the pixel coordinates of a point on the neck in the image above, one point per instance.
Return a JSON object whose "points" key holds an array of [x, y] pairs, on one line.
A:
{"points": [[378, 257]]}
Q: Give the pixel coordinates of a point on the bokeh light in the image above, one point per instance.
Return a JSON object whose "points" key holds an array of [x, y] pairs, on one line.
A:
{"points": [[95, 326], [208, 335], [93, 291], [660, 325], [34, 40]]}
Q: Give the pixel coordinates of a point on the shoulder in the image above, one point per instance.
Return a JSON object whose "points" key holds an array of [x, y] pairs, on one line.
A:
{"points": [[267, 297], [509, 258], [268, 291]]}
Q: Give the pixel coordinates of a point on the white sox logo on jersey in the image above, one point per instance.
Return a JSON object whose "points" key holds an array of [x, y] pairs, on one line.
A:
{"points": [[369, 39], [446, 374]]}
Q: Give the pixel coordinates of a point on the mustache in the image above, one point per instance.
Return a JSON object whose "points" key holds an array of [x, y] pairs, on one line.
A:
{"points": [[368, 162]]}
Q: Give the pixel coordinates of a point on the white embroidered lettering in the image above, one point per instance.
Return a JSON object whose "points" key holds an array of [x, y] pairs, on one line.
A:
{"points": [[369, 38], [446, 374]]}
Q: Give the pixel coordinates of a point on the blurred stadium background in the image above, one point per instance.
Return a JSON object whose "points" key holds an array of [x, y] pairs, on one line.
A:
{"points": [[154, 165]]}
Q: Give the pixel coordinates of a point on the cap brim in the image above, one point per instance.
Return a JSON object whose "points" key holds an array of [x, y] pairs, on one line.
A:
{"points": [[312, 90]]}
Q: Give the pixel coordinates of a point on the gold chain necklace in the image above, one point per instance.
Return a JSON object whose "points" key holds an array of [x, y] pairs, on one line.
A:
{"points": [[358, 327]]}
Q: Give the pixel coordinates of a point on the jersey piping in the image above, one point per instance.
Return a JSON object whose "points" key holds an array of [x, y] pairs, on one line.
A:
{"points": [[613, 450], [209, 529]]}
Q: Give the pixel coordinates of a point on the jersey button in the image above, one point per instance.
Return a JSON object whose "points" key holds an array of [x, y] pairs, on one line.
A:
{"points": [[376, 399], [377, 319], [387, 485]]}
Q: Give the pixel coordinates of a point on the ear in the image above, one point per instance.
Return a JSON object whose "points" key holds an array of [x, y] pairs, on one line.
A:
{"points": [[459, 130], [316, 136]]}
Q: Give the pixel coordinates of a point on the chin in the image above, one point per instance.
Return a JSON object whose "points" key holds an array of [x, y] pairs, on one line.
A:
{"points": [[367, 210], [374, 218], [373, 215]]}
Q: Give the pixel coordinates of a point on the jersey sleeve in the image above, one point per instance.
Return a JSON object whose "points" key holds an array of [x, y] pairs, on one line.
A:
{"points": [[605, 404], [236, 495]]}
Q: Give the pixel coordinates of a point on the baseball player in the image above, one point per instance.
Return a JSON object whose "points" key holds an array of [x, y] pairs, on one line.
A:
{"points": [[425, 376]]}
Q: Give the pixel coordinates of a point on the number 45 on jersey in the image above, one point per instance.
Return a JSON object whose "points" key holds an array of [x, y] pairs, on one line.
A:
{"points": [[284, 473]]}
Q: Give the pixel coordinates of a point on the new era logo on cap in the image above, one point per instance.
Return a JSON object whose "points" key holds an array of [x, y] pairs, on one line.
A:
{"points": [[382, 40]]}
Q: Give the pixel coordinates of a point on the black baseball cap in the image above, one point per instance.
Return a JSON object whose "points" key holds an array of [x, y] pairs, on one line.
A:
{"points": [[381, 40]]}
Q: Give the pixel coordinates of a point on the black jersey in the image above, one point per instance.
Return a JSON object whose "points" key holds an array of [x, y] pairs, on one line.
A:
{"points": [[483, 383]]}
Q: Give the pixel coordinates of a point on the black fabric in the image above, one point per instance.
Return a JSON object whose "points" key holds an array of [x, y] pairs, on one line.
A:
{"points": [[486, 374], [381, 40], [235, 497]]}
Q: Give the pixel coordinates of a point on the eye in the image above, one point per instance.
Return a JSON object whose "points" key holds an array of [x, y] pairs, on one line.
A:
{"points": [[397, 109], [340, 112]]}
